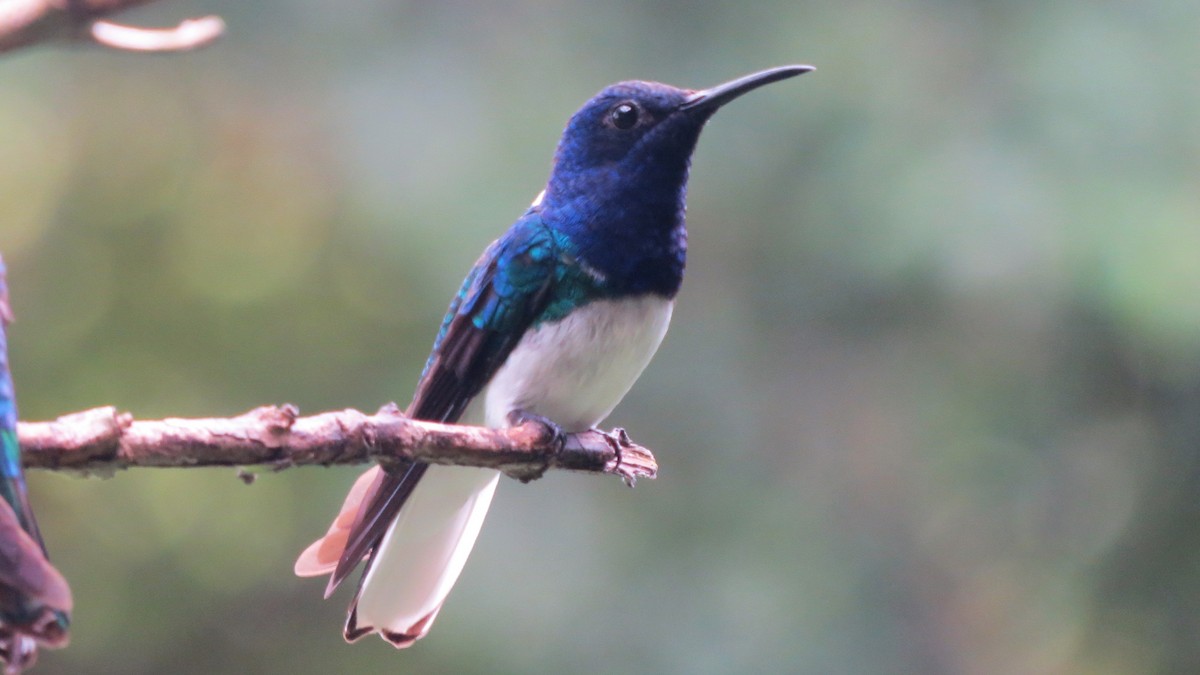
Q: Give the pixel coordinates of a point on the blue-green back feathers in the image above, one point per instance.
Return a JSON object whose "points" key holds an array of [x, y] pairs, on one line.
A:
{"points": [[35, 600], [532, 274], [12, 479], [525, 277]]}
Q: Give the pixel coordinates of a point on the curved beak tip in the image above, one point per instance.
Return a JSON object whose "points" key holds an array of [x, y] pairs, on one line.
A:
{"points": [[715, 97]]}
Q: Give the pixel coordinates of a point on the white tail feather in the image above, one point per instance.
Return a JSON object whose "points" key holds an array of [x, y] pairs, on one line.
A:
{"points": [[424, 550]]}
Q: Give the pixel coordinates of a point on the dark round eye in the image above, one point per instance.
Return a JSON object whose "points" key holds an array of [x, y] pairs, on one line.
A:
{"points": [[623, 115]]}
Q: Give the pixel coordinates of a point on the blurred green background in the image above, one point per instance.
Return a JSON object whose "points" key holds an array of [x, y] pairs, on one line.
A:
{"points": [[930, 402]]}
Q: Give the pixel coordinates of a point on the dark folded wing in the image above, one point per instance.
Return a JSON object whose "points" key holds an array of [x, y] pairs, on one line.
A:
{"points": [[507, 290], [12, 479]]}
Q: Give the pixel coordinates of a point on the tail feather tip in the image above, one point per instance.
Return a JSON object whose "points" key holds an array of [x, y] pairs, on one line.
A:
{"points": [[398, 639]]}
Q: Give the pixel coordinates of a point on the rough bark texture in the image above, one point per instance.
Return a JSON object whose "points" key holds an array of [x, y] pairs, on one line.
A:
{"points": [[102, 440]]}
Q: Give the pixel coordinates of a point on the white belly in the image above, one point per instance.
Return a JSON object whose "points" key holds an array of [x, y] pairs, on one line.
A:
{"points": [[575, 371]]}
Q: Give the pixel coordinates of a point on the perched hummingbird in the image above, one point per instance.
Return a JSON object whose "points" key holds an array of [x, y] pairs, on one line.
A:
{"points": [[554, 323], [35, 601]]}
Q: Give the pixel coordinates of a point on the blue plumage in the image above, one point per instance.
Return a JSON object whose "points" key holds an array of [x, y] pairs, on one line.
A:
{"points": [[12, 477], [35, 601]]}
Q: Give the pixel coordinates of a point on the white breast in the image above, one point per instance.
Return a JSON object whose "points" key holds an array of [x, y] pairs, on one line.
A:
{"points": [[574, 371]]}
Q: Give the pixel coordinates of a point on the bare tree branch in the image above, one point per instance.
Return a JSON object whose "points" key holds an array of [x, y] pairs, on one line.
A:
{"points": [[190, 34], [103, 440], [28, 22]]}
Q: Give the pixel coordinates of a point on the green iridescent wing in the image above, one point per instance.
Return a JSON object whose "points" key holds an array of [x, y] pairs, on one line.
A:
{"points": [[506, 292], [12, 479], [35, 600]]}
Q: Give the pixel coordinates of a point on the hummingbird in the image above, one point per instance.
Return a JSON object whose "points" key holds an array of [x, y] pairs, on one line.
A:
{"points": [[35, 601], [554, 323]]}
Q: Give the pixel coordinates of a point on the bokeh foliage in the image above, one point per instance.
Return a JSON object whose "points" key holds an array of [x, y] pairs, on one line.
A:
{"points": [[930, 402]]}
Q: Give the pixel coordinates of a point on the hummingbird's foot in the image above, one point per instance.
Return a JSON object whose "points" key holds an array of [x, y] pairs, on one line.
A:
{"points": [[618, 439], [557, 439]]}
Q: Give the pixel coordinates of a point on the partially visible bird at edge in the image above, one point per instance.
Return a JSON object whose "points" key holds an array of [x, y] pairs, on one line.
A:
{"points": [[554, 323], [35, 601]]}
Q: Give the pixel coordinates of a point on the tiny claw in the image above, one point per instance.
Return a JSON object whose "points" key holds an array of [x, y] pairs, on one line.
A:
{"points": [[631, 461], [557, 440], [618, 439], [617, 444]]}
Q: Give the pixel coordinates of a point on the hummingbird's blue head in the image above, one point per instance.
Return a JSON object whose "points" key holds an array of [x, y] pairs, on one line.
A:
{"points": [[631, 144], [632, 126], [619, 181]]}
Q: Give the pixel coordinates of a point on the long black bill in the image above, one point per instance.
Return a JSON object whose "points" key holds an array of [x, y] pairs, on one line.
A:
{"points": [[715, 97]]}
